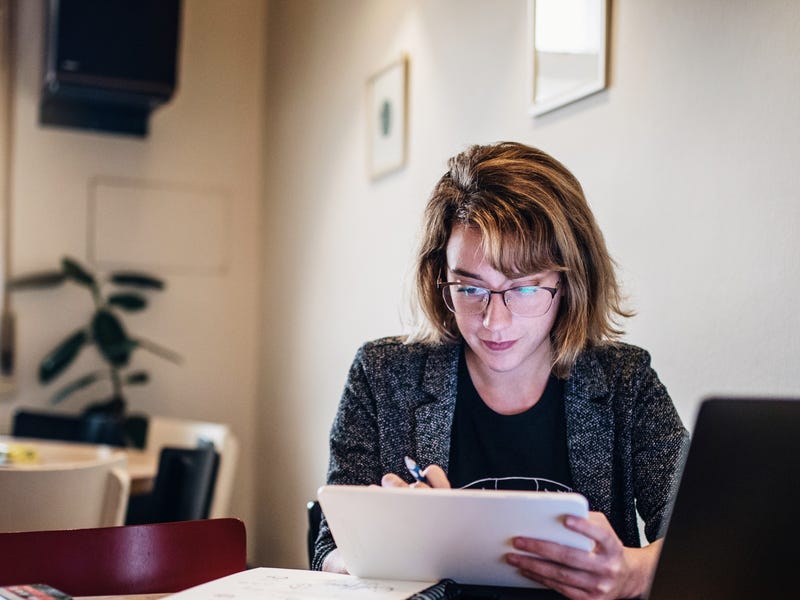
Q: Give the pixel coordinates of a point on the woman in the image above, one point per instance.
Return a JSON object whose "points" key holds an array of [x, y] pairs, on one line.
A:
{"points": [[514, 379]]}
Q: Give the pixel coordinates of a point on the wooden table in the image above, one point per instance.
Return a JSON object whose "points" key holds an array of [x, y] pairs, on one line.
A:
{"points": [[141, 465]]}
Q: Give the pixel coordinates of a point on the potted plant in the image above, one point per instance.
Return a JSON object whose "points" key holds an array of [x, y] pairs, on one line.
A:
{"points": [[106, 331]]}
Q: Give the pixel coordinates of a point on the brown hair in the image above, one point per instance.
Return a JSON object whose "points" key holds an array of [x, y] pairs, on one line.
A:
{"points": [[533, 216]]}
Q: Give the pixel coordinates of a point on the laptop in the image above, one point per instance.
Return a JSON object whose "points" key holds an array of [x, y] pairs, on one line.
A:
{"points": [[734, 531]]}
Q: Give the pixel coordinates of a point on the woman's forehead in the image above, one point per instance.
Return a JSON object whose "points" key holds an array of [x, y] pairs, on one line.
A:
{"points": [[512, 255]]}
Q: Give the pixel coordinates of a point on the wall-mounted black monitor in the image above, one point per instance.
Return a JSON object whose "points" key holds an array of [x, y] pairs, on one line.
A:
{"points": [[109, 63]]}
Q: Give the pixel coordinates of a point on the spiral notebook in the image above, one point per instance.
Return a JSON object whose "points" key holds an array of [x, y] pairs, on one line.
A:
{"points": [[297, 584]]}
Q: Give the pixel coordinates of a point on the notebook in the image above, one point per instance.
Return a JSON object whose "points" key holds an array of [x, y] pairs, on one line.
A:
{"points": [[734, 531], [433, 534]]}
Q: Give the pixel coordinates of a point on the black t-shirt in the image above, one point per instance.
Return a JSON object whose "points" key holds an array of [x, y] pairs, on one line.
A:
{"points": [[526, 451]]}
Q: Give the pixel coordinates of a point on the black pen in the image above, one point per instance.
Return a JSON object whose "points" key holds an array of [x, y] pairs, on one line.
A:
{"points": [[414, 469]]}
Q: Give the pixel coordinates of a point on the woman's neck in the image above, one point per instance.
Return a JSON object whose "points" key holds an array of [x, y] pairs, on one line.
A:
{"points": [[508, 393]]}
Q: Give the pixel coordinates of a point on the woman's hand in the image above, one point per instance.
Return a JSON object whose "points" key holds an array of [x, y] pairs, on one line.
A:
{"points": [[609, 570], [334, 563], [433, 473]]}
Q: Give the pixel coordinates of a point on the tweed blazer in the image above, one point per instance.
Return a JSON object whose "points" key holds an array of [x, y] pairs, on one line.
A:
{"points": [[625, 439]]}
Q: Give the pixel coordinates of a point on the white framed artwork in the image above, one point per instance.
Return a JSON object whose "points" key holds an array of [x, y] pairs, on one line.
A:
{"points": [[387, 116], [567, 51]]}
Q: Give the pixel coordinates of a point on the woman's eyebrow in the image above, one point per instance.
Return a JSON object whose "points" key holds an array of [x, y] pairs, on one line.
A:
{"points": [[463, 273]]}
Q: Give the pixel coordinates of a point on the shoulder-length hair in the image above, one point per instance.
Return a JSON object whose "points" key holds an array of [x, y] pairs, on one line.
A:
{"points": [[533, 216]]}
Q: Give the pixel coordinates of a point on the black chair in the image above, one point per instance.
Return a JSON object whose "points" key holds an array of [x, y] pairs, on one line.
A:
{"points": [[49, 426], [183, 488], [314, 518], [95, 428]]}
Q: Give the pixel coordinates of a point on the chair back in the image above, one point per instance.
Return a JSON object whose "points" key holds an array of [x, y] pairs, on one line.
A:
{"points": [[89, 493], [137, 559], [164, 431], [94, 428], [182, 490], [48, 425]]}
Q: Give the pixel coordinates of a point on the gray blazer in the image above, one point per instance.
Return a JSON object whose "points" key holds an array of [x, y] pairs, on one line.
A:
{"points": [[624, 437]]}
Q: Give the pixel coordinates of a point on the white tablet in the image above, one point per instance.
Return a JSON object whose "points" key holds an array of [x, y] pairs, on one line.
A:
{"points": [[432, 534]]}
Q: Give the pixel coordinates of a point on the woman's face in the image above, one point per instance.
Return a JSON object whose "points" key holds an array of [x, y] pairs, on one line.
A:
{"points": [[501, 341]]}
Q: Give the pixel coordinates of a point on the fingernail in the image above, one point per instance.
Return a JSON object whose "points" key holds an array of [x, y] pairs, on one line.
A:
{"points": [[512, 559]]}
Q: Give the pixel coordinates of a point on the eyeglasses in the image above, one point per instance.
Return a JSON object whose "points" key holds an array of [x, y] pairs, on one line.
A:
{"points": [[523, 300]]}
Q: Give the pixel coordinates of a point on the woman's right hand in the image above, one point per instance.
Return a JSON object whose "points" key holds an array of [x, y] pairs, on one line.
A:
{"points": [[334, 563], [433, 473]]}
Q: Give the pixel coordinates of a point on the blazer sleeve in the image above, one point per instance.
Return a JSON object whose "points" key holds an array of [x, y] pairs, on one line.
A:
{"points": [[354, 439], [659, 445]]}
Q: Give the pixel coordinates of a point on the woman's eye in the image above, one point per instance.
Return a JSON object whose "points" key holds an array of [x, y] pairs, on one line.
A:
{"points": [[470, 291], [527, 290]]}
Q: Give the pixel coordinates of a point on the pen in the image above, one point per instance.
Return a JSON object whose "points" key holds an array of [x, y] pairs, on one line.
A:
{"points": [[414, 469]]}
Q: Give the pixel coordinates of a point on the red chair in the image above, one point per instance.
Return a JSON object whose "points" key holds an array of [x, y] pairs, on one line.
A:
{"points": [[133, 559]]}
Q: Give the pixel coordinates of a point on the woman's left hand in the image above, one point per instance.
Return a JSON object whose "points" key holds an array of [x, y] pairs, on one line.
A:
{"points": [[609, 570]]}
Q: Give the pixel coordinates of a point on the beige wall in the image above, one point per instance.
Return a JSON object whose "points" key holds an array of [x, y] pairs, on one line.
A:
{"points": [[209, 137], [689, 160]]}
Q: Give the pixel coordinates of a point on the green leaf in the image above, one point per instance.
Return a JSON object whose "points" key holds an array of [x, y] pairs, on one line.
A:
{"points": [[36, 281], [63, 355], [111, 339], [135, 279], [78, 384], [137, 378], [77, 273], [128, 301]]}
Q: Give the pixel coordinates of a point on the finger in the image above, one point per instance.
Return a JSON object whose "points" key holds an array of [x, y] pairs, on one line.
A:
{"points": [[555, 553], [565, 590], [571, 582], [597, 528], [392, 480], [436, 476]]}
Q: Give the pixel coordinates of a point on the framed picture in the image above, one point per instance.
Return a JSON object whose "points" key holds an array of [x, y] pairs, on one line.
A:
{"points": [[567, 51], [387, 116]]}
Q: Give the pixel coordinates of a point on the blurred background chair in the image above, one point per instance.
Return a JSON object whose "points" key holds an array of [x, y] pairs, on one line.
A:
{"points": [[180, 433], [139, 559], [183, 488], [48, 425], [89, 493], [92, 428]]}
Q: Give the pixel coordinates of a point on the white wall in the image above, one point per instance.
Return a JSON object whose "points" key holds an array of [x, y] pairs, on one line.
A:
{"points": [[208, 137], [689, 161]]}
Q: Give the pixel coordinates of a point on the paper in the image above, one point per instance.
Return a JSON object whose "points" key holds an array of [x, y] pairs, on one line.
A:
{"points": [[296, 584]]}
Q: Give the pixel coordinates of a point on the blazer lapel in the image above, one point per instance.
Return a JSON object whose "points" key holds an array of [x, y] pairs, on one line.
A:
{"points": [[433, 415], [590, 432]]}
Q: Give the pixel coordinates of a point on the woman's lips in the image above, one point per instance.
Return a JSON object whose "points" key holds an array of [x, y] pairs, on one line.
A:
{"points": [[498, 346]]}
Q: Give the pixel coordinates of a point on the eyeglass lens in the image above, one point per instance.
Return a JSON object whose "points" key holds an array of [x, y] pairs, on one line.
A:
{"points": [[527, 301]]}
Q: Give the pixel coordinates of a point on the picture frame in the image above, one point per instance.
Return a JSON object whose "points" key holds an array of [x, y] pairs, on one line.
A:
{"points": [[387, 118], [567, 51]]}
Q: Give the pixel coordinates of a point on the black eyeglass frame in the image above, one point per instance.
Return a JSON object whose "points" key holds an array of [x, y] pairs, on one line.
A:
{"points": [[442, 285]]}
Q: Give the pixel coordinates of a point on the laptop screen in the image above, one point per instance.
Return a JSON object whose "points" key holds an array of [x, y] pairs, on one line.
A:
{"points": [[735, 528]]}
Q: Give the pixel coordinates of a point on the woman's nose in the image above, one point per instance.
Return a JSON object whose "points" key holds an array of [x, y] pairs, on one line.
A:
{"points": [[496, 316]]}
